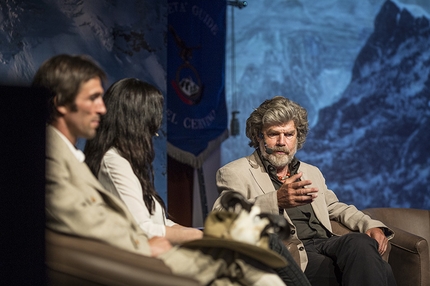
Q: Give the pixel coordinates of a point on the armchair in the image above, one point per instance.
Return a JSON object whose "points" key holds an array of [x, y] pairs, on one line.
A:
{"points": [[72, 260], [409, 256]]}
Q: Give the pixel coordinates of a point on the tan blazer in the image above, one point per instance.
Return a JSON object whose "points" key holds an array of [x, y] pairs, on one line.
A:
{"points": [[248, 176], [77, 204]]}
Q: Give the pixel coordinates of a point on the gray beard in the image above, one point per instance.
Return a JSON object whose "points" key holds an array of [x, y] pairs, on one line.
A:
{"points": [[280, 161]]}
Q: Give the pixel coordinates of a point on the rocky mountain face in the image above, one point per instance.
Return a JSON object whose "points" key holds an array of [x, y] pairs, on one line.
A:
{"points": [[373, 145], [127, 38], [124, 37]]}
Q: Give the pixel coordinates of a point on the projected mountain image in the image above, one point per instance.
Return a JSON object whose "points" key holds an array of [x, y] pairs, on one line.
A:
{"points": [[373, 144], [124, 37], [361, 69]]}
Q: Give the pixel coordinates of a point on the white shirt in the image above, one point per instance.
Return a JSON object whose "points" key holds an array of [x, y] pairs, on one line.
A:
{"points": [[78, 153], [117, 176]]}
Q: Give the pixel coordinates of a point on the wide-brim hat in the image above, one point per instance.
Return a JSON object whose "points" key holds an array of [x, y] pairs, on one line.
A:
{"points": [[216, 235]]}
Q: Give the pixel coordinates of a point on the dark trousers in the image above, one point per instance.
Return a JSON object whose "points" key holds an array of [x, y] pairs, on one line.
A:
{"points": [[348, 260], [292, 274]]}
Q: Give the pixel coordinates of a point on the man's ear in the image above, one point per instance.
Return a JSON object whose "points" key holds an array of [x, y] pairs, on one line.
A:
{"points": [[60, 109]]}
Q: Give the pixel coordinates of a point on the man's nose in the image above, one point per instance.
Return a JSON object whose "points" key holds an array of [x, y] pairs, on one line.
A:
{"points": [[101, 107], [282, 140]]}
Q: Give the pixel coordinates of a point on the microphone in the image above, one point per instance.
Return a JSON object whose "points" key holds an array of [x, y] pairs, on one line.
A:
{"points": [[268, 150]]}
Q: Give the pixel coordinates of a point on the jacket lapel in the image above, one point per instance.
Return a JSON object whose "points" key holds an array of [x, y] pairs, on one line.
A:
{"points": [[318, 207], [259, 173]]}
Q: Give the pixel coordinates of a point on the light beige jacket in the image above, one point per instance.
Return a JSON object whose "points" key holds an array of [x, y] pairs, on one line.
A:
{"points": [[76, 203], [248, 176]]}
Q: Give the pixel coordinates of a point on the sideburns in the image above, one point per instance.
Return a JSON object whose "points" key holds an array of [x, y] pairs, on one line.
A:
{"points": [[73, 107]]}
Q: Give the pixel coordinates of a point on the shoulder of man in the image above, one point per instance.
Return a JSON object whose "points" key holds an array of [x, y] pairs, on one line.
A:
{"points": [[308, 167], [54, 143], [57, 151], [241, 162]]}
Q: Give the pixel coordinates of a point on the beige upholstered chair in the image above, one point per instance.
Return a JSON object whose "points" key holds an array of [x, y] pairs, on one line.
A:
{"points": [[409, 256], [74, 260]]}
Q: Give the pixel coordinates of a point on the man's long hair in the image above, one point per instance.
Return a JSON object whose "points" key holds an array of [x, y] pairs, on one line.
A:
{"points": [[134, 115], [61, 78], [276, 111]]}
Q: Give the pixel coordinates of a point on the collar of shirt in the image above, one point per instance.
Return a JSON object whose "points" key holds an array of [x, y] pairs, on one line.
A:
{"points": [[76, 152]]}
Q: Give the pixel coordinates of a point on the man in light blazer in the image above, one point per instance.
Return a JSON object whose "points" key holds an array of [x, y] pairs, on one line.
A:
{"points": [[275, 180], [77, 204]]}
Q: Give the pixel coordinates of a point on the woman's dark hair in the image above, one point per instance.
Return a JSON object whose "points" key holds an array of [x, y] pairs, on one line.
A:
{"points": [[134, 115]]}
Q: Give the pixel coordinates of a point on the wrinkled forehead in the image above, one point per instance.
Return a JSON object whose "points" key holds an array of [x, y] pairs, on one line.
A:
{"points": [[279, 127]]}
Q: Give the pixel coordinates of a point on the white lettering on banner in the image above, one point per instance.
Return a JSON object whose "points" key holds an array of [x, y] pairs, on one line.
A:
{"points": [[177, 7], [200, 123], [171, 116], [205, 18]]}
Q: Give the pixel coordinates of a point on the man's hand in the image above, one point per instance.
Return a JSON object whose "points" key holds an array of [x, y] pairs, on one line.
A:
{"points": [[380, 237], [293, 194], [159, 245]]}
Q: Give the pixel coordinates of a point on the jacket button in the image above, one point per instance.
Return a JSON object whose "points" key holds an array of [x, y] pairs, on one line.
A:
{"points": [[293, 231], [301, 248]]}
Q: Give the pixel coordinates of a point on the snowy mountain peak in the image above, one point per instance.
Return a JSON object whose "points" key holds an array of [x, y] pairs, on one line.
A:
{"points": [[376, 136]]}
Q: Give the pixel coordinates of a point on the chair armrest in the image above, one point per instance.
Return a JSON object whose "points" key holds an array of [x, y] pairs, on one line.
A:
{"points": [[72, 260], [409, 258], [338, 228], [408, 241]]}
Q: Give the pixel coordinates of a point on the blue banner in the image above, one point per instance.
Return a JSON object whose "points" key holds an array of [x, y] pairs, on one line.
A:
{"points": [[196, 106]]}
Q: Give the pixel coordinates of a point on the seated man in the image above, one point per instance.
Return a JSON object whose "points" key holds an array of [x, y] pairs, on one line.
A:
{"points": [[77, 204], [275, 180]]}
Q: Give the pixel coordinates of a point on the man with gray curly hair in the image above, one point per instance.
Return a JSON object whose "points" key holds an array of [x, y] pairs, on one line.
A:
{"points": [[277, 182]]}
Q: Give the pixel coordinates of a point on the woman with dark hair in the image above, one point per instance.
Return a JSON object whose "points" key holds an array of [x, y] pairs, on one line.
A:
{"points": [[122, 152]]}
